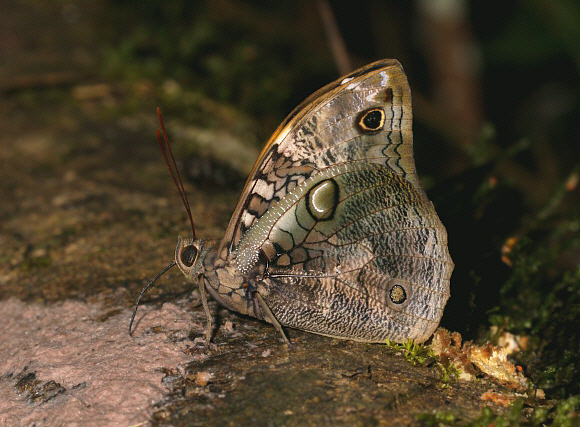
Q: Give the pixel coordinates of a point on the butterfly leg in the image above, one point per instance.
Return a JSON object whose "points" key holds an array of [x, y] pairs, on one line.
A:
{"points": [[203, 296], [267, 313]]}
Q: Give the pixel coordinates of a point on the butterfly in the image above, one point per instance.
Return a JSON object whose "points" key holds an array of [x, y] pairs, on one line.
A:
{"points": [[333, 233]]}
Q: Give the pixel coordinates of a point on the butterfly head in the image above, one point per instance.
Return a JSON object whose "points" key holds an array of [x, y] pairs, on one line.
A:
{"points": [[187, 256], [190, 255]]}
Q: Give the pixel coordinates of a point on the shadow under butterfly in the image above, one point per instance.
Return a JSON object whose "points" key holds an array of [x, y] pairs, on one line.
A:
{"points": [[333, 233]]}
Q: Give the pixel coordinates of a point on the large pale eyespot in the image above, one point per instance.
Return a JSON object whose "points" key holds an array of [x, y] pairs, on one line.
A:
{"points": [[322, 199], [188, 255], [372, 120], [398, 294]]}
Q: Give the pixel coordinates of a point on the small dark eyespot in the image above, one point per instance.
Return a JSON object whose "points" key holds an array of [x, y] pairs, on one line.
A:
{"points": [[188, 255], [398, 295], [372, 120]]}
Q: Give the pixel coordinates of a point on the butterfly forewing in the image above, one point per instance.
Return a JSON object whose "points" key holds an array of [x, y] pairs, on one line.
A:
{"points": [[325, 130]]}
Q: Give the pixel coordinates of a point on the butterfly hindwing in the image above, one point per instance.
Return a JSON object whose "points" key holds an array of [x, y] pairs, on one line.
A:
{"points": [[338, 243]]}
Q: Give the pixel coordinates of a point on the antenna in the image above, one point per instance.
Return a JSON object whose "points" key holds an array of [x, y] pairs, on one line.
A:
{"points": [[143, 291], [165, 147], [172, 165]]}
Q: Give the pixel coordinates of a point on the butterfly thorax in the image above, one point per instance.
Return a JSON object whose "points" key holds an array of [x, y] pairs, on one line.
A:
{"points": [[199, 260]]}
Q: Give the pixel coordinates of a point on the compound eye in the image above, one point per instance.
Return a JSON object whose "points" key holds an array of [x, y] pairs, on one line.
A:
{"points": [[188, 255]]}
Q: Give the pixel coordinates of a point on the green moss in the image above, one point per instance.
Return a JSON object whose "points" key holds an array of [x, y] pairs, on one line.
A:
{"points": [[440, 418], [420, 354], [489, 418], [448, 374], [564, 414], [417, 354], [541, 299]]}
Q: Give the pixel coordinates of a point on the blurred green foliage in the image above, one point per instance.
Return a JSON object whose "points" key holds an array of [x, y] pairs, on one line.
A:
{"points": [[241, 57]]}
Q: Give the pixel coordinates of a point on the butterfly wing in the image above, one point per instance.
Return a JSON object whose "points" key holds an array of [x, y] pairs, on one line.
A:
{"points": [[335, 209], [320, 132]]}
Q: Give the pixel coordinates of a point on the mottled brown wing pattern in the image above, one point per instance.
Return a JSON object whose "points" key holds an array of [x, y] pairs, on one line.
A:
{"points": [[333, 233], [325, 130], [340, 244]]}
